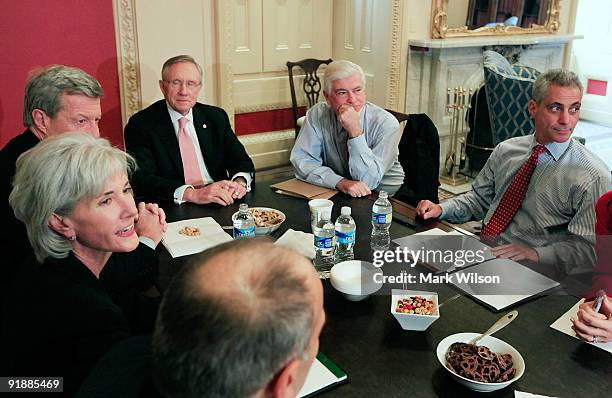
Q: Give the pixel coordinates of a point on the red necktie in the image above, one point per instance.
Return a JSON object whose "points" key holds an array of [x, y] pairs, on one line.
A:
{"points": [[513, 197], [191, 168]]}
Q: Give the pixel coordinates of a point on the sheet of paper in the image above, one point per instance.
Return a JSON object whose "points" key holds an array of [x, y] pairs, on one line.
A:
{"points": [[301, 242], [517, 282], [318, 378], [521, 394], [564, 325], [211, 234]]}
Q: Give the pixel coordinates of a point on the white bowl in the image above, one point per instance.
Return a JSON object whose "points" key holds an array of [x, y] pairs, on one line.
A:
{"points": [[355, 279], [265, 230], [414, 321], [496, 345]]}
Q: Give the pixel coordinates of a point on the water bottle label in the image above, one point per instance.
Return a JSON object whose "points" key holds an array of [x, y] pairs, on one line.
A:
{"points": [[381, 219], [324, 242], [240, 233], [345, 237]]}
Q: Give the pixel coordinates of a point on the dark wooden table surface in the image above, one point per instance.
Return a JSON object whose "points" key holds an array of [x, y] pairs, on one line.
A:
{"points": [[382, 360]]}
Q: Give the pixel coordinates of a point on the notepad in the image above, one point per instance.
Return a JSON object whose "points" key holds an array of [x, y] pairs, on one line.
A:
{"points": [[432, 248], [564, 325], [323, 375]]}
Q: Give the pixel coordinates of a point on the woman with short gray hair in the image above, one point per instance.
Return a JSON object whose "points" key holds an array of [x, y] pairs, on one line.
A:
{"points": [[73, 194]]}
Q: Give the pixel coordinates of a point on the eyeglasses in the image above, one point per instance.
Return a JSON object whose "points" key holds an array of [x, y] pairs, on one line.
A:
{"points": [[176, 84]]}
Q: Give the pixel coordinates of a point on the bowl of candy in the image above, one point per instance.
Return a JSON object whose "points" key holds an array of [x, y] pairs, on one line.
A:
{"points": [[413, 309], [490, 365], [267, 220], [355, 279]]}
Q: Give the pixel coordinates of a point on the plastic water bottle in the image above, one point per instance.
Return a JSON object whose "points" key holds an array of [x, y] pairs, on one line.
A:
{"points": [[244, 225], [324, 244], [382, 214], [345, 235]]}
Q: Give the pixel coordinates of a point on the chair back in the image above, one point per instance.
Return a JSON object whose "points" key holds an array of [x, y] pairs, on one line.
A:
{"points": [[419, 155], [311, 86], [508, 90]]}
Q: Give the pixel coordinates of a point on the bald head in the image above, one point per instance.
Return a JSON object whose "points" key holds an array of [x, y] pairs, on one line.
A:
{"points": [[233, 317]]}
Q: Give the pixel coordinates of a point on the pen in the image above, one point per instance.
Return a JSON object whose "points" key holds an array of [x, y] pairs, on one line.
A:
{"points": [[599, 300]]}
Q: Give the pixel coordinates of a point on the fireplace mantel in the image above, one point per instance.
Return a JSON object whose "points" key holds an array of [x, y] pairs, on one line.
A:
{"points": [[517, 40], [435, 65]]}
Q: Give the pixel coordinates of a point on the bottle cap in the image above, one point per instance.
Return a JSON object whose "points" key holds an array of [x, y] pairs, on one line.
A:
{"points": [[345, 211], [243, 207], [383, 194]]}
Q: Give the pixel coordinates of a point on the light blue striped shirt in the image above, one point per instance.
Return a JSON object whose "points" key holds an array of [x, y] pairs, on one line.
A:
{"points": [[323, 154], [557, 216]]}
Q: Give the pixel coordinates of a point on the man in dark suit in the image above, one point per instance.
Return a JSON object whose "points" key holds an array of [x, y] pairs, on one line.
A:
{"points": [[57, 99], [186, 150]]}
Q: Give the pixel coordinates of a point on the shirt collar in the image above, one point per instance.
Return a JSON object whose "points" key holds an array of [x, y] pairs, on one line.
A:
{"points": [[175, 116], [556, 149]]}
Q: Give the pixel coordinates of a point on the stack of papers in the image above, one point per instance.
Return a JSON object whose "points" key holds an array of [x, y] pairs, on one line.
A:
{"points": [[210, 234], [302, 189]]}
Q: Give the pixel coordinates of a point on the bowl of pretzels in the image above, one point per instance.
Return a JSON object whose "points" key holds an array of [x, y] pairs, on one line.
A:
{"points": [[267, 220], [490, 365]]}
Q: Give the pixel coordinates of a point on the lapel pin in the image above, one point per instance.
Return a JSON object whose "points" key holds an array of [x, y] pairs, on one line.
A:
{"points": [[204, 125]]}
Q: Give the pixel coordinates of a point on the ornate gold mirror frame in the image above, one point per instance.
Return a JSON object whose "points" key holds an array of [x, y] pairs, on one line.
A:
{"points": [[440, 29]]}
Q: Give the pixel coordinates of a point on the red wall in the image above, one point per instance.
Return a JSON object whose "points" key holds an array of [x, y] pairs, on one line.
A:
{"points": [[37, 33]]}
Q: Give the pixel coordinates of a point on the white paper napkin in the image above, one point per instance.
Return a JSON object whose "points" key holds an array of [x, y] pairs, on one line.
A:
{"points": [[211, 234], [299, 241]]}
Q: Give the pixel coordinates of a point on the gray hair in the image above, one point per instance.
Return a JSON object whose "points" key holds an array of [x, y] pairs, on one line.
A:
{"points": [[341, 69], [178, 59], [231, 343], [556, 77], [46, 86], [54, 176]]}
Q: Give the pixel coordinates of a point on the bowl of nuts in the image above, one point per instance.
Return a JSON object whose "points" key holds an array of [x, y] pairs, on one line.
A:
{"points": [[267, 220], [413, 309]]}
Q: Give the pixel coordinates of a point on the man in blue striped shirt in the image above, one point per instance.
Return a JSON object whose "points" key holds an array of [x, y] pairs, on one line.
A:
{"points": [[554, 224]]}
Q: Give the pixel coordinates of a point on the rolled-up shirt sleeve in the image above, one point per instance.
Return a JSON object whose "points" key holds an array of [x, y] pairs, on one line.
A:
{"points": [[307, 155], [475, 203], [369, 164]]}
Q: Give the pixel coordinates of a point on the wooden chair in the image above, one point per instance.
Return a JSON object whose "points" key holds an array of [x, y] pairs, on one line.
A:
{"points": [[311, 86]]}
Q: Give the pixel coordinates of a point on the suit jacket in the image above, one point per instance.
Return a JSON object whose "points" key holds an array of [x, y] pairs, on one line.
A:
{"points": [[419, 155], [602, 274], [13, 236], [60, 319], [150, 137]]}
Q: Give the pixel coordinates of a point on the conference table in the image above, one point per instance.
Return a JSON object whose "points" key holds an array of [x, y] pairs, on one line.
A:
{"points": [[382, 360]]}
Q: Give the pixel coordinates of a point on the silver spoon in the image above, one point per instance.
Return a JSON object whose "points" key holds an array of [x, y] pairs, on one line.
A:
{"points": [[500, 324], [497, 326]]}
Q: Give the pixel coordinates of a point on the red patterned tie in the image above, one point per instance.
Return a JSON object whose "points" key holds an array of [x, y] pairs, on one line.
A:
{"points": [[513, 197], [191, 168]]}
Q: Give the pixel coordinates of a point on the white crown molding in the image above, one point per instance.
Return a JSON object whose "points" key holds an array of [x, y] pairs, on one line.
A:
{"points": [[393, 79], [128, 64]]}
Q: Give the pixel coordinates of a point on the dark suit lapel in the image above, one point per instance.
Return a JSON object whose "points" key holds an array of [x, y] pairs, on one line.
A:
{"points": [[206, 141], [167, 136]]}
